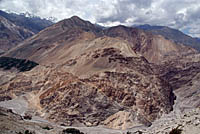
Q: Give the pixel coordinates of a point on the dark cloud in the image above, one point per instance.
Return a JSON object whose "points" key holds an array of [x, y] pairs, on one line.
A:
{"points": [[181, 14], [126, 9]]}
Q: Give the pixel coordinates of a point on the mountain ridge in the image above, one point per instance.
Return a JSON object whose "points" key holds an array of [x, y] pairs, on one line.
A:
{"points": [[11, 34], [172, 34], [67, 30], [34, 23]]}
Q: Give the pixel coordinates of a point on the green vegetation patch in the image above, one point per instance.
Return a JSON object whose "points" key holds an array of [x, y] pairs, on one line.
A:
{"points": [[20, 64], [72, 131], [47, 128]]}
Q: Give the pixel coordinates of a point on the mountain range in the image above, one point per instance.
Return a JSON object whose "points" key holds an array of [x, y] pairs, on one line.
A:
{"points": [[79, 74], [16, 28], [172, 34], [32, 23], [35, 24], [47, 44], [11, 35]]}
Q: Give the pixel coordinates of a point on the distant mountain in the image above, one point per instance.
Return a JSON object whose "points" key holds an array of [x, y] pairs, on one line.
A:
{"points": [[28, 21], [11, 34], [197, 39], [100, 26], [154, 48], [14, 28], [172, 34]]}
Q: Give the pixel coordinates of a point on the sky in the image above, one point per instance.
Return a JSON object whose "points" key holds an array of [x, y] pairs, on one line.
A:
{"points": [[180, 14]]}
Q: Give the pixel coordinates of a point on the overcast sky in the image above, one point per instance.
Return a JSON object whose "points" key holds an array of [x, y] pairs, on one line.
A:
{"points": [[181, 14]]}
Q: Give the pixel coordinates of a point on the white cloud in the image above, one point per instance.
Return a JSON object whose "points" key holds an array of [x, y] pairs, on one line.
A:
{"points": [[181, 14]]}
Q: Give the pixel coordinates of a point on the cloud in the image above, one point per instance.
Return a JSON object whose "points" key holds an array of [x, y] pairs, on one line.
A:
{"points": [[181, 14]]}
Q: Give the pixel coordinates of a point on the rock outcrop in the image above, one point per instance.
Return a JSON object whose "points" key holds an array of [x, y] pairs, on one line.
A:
{"points": [[64, 98]]}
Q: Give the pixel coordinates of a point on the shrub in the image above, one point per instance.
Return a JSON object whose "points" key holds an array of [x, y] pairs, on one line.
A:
{"points": [[21, 64], [72, 131], [176, 130], [27, 117], [138, 132], [27, 132], [47, 128]]}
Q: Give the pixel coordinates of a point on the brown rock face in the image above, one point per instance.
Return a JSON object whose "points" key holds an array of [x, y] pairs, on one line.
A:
{"points": [[183, 75], [64, 98]]}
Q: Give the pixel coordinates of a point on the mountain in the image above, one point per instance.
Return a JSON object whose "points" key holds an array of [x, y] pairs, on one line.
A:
{"points": [[172, 34], [197, 39], [11, 34], [16, 28], [154, 48], [119, 77], [32, 23], [89, 76], [56, 43]]}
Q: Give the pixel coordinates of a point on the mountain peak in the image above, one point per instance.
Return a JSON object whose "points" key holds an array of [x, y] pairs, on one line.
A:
{"points": [[75, 18], [77, 22]]}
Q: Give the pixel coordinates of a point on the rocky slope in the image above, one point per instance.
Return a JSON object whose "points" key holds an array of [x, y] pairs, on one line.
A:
{"points": [[183, 75], [96, 100], [11, 123], [187, 122]]}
